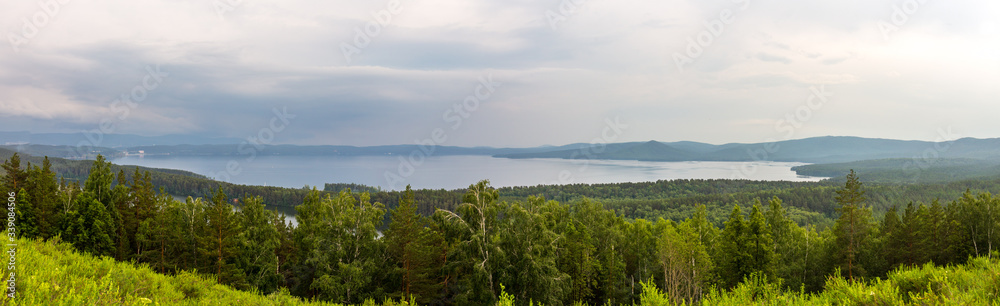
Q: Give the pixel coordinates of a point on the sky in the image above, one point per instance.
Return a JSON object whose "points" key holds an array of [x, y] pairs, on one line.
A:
{"points": [[511, 73]]}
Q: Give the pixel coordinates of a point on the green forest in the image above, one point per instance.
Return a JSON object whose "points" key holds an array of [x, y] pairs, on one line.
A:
{"points": [[706, 242]]}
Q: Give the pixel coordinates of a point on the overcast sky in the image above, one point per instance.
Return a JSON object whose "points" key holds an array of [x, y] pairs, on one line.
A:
{"points": [[561, 70]]}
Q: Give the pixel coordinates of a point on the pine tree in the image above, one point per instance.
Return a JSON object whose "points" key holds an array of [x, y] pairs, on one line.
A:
{"points": [[759, 244], [44, 192], [15, 177], [219, 241], [937, 244], [853, 230], [120, 211], [924, 229], [909, 236], [953, 250], [416, 248], [88, 221], [99, 181], [89, 227], [893, 245], [14, 180], [259, 242], [733, 257], [160, 238], [26, 215], [142, 206]]}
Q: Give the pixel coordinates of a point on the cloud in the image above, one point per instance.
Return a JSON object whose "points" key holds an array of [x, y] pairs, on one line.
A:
{"points": [[229, 71], [773, 58], [834, 61]]}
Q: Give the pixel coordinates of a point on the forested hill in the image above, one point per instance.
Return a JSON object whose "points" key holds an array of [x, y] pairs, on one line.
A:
{"points": [[908, 170], [78, 170], [61, 151], [178, 183], [810, 150]]}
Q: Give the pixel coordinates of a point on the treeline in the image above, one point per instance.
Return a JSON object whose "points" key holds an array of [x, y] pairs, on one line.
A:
{"points": [[427, 200], [175, 182], [908, 170], [532, 250], [808, 203]]}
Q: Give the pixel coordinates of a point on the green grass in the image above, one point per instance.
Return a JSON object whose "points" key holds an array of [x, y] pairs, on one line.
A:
{"points": [[52, 273], [975, 283]]}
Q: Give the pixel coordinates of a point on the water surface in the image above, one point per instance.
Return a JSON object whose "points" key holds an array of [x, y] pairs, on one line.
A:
{"points": [[454, 172]]}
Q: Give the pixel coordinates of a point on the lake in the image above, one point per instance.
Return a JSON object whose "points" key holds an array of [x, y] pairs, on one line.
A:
{"points": [[454, 172]]}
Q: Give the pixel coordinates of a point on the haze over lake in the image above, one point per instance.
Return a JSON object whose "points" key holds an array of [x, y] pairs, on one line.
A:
{"points": [[455, 172]]}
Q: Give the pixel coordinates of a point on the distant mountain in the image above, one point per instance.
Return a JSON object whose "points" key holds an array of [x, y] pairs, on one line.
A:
{"points": [[648, 151], [828, 149], [652, 151], [295, 150], [109, 140], [574, 151], [698, 147], [821, 150], [69, 152]]}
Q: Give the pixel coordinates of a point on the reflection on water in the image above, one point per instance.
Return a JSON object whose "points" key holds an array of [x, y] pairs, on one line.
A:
{"points": [[288, 211]]}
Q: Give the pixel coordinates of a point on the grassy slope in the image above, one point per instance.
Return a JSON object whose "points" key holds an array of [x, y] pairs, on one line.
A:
{"points": [[975, 283], [52, 273]]}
